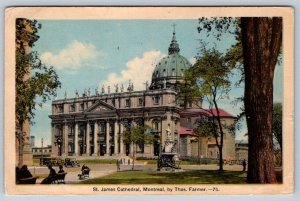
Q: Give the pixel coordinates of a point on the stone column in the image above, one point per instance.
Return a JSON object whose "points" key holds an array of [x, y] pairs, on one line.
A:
{"points": [[121, 139], [107, 139], [65, 140], [87, 138], [116, 131], [76, 140], [132, 145], [95, 139]]}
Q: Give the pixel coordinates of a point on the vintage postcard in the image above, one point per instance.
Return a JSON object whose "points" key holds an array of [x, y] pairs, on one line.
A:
{"points": [[149, 100]]}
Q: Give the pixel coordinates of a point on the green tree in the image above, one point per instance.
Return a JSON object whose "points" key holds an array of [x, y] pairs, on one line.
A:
{"points": [[277, 123], [33, 78], [136, 135], [260, 39], [209, 79], [149, 138]]}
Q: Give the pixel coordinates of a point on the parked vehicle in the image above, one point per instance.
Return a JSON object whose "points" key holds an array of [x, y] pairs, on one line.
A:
{"points": [[72, 162]]}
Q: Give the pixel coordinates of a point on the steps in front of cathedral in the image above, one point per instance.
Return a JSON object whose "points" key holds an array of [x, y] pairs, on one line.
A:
{"points": [[98, 157], [125, 159]]}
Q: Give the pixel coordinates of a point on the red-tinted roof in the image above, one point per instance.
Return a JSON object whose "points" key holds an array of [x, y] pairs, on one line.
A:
{"points": [[204, 112], [212, 142], [185, 131]]}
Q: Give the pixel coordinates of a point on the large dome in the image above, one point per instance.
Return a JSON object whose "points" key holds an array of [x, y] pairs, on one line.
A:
{"points": [[169, 70]]}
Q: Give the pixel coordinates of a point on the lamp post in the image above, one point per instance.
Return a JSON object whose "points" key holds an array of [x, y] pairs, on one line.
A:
{"points": [[59, 143], [42, 143]]}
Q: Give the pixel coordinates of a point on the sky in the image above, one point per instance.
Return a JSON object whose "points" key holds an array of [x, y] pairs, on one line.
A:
{"points": [[88, 54]]}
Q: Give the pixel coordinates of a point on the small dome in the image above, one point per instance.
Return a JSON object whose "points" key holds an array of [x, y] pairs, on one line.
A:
{"points": [[169, 70]]}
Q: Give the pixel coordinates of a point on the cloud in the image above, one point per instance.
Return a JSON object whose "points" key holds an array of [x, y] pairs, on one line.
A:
{"points": [[138, 71], [192, 60], [73, 57]]}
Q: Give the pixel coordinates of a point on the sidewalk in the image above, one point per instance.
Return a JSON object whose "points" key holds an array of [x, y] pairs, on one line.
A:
{"points": [[97, 170], [72, 177]]}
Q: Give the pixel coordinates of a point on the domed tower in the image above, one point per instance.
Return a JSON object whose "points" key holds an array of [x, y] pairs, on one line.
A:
{"points": [[168, 72]]}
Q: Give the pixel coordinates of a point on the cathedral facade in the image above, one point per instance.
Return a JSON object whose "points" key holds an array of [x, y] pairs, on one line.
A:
{"points": [[93, 124]]}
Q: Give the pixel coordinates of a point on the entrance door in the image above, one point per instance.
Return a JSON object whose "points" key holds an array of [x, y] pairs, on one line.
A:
{"points": [[127, 149], [156, 149], [81, 149], [92, 149], [102, 149], [112, 150]]}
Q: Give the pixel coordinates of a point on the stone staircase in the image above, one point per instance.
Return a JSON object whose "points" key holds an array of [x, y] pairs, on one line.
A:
{"points": [[125, 159]]}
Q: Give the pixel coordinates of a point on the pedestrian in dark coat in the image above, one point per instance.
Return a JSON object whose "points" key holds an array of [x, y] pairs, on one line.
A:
{"points": [[118, 165], [24, 172], [244, 163], [51, 177]]}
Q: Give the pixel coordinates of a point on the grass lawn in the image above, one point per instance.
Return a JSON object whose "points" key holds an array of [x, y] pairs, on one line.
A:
{"points": [[186, 177]]}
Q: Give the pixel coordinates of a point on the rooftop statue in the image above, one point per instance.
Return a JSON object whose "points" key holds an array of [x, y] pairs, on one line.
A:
{"points": [[117, 88], [84, 93], [146, 85], [130, 86], [103, 89], [122, 88]]}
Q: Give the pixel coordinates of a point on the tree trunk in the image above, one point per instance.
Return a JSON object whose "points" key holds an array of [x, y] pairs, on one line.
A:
{"points": [[20, 145], [220, 146], [220, 158], [261, 39], [133, 155]]}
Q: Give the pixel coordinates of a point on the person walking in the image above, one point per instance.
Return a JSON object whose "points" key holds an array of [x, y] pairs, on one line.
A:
{"points": [[118, 165], [244, 163]]}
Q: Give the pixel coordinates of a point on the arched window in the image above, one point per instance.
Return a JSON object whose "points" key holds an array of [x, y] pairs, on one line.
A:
{"points": [[70, 130], [156, 125], [81, 107], [72, 107], [156, 100]]}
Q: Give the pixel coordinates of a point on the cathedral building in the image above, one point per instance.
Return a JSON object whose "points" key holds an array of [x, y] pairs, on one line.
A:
{"points": [[92, 125]]}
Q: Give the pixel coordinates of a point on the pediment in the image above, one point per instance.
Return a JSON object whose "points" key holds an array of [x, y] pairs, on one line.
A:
{"points": [[100, 106]]}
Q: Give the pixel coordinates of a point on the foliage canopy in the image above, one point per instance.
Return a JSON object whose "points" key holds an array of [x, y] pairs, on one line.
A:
{"points": [[33, 78]]}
